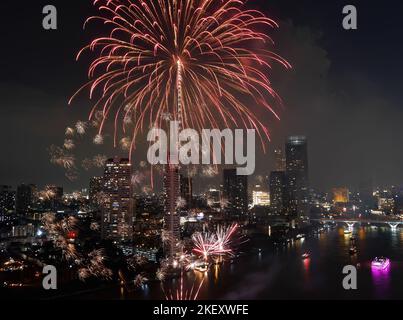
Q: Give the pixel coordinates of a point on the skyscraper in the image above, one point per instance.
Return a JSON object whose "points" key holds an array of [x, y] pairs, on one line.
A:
{"points": [[7, 199], [277, 185], [235, 193], [213, 197], [172, 193], [117, 209], [297, 176], [279, 159], [96, 184], [186, 185], [25, 198]]}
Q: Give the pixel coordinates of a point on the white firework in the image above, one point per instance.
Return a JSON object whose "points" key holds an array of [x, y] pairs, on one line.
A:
{"points": [[99, 139], [69, 144], [180, 203], [81, 127], [125, 143], [69, 132], [99, 160], [161, 274]]}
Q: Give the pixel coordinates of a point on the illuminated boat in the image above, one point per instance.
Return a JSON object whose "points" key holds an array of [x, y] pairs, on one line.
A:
{"points": [[347, 231], [380, 263], [305, 256], [202, 267]]}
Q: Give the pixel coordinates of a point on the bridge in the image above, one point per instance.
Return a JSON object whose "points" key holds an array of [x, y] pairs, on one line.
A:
{"points": [[351, 221]]}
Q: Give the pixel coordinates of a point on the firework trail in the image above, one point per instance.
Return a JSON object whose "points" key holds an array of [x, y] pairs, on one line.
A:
{"points": [[199, 54]]}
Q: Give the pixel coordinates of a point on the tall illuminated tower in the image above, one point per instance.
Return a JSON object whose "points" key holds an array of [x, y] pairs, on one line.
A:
{"points": [[297, 176], [172, 190], [117, 209]]}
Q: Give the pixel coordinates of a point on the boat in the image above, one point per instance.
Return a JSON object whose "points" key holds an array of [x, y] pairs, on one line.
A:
{"points": [[305, 256], [347, 231], [202, 268], [380, 263], [353, 250], [300, 236]]}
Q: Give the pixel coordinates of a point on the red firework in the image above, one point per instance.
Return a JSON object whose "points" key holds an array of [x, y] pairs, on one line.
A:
{"points": [[201, 55]]}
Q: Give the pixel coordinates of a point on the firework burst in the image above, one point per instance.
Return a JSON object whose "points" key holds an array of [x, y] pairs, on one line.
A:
{"points": [[218, 243], [81, 127], [201, 54]]}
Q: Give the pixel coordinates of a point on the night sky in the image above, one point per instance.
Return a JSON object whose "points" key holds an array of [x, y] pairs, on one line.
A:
{"points": [[344, 93]]}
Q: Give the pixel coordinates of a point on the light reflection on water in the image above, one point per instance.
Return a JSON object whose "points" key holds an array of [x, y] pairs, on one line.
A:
{"points": [[281, 273]]}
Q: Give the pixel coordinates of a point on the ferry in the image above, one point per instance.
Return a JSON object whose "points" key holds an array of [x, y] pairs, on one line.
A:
{"points": [[202, 267], [380, 263]]}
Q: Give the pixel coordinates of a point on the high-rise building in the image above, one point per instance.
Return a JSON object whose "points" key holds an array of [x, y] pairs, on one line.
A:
{"points": [[7, 199], [186, 185], [172, 191], [213, 197], [25, 197], [117, 207], [235, 193], [96, 186], [277, 185], [279, 160], [297, 176]]}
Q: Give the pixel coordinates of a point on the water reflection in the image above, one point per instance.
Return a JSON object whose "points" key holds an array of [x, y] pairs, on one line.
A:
{"points": [[381, 280], [281, 273]]}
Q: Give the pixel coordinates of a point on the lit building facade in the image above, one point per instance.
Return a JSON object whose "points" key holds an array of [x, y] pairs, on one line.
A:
{"points": [[279, 160], [25, 198], [117, 207], [7, 199], [186, 187], [277, 187], [96, 186], [297, 176], [172, 193], [235, 193]]}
